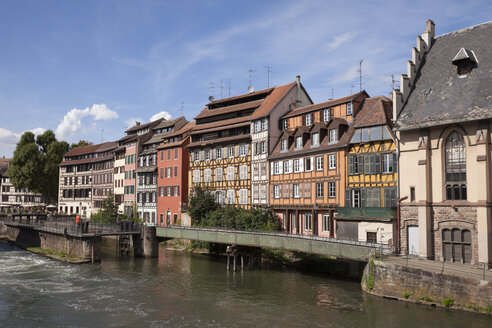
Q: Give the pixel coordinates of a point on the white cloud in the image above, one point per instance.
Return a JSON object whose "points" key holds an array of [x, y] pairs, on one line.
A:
{"points": [[9, 139], [339, 40], [72, 121], [132, 121], [162, 114]]}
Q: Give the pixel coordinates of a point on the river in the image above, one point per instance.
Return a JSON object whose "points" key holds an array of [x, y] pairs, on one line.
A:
{"points": [[189, 290]]}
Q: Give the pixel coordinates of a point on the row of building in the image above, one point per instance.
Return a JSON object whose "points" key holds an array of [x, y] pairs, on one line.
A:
{"points": [[411, 170]]}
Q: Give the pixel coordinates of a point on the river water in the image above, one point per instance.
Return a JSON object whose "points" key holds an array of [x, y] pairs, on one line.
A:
{"points": [[188, 290]]}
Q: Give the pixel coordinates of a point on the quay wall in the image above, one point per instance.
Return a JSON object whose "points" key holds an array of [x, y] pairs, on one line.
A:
{"points": [[404, 283]]}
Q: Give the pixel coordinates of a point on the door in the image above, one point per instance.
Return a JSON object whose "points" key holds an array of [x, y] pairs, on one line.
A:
{"points": [[168, 218], [413, 240]]}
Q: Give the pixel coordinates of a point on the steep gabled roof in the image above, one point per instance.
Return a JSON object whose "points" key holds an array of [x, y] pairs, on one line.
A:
{"points": [[78, 151], [143, 126], [272, 100], [440, 96], [374, 110]]}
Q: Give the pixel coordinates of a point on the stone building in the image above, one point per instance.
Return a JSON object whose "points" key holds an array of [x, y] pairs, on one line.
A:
{"points": [[443, 122]]}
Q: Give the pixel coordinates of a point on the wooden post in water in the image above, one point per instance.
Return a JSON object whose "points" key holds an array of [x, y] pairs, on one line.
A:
{"points": [[234, 263], [228, 261], [242, 261], [92, 254]]}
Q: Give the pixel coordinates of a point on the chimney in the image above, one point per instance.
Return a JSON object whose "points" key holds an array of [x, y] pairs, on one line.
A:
{"points": [[298, 79], [430, 32], [137, 122], [298, 90]]}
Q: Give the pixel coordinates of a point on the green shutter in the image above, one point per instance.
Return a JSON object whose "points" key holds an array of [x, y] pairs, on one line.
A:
{"points": [[350, 165], [360, 163], [347, 198], [367, 164], [363, 197], [378, 163], [395, 162]]}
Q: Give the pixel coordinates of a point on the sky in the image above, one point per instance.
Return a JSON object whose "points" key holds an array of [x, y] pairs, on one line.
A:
{"points": [[90, 69]]}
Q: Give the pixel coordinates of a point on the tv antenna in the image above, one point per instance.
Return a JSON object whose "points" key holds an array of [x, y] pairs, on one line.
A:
{"points": [[229, 87], [331, 93], [268, 75], [102, 135], [250, 77], [359, 70], [211, 86], [221, 89], [181, 108]]}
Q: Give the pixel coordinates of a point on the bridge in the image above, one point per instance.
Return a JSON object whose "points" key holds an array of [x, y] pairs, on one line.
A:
{"points": [[343, 249]]}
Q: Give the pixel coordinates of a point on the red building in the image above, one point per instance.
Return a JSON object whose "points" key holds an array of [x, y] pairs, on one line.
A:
{"points": [[172, 182]]}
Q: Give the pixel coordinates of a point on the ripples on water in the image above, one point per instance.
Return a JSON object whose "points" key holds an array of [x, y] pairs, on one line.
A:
{"points": [[183, 290]]}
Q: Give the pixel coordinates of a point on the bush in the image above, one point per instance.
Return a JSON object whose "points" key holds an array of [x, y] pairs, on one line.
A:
{"points": [[448, 302], [426, 298], [406, 295]]}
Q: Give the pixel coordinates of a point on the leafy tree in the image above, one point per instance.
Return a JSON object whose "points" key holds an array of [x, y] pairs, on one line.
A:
{"points": [[35, 164], [108, 212], [202, 202], [81, 143]]}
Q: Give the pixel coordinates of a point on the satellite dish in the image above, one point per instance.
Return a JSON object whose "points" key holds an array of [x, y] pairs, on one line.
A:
{"points": [[211, 98], [251, 89]]}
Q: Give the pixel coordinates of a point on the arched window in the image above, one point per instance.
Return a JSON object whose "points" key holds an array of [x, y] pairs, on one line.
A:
{"points": [[456, 245], [455, 162]]}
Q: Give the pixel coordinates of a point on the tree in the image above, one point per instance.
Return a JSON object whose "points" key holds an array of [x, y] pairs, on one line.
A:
{"points": [[81, 143], [109, 211], [35, 164], [202, 202]]}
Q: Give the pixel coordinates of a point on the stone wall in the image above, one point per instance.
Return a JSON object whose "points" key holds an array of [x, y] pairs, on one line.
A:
{"points": [[393, 281]]}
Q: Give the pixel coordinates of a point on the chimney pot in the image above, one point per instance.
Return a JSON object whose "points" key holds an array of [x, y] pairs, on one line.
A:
{"points": [[298, 79]]}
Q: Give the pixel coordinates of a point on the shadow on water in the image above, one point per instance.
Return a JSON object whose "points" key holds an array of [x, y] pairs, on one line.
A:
{"points": [[8, 246]]}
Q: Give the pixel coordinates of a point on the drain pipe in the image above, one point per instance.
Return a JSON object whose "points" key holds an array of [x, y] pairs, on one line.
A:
{"points": [[398, 220]]}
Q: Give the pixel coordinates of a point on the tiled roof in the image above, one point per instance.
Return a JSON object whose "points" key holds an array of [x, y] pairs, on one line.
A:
{"points": [[146, 169], [107, 146], [188, 127], [329, 103], [220, 141], [142, 126], [272, 100], [128, 138], [171, 144], [207, 112], [227, 125], [77, 151], [258, 93], [168, 123], [87, 160], [374, 110], [203, 127], [439, 96]]}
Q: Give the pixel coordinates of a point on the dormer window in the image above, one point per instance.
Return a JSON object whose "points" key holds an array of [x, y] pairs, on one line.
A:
{"points": [[326, 115], [285, 124], [333, 135], [315, 139], [298, 142], [464, 61], [308, 119], [349, 109], [283, 145]]}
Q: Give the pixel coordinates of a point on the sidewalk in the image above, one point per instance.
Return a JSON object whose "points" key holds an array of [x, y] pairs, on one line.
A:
{"points": [[456, 269]]}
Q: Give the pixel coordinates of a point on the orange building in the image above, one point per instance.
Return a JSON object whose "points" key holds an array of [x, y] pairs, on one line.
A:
{"points": [[307, 166], [173, 164]]}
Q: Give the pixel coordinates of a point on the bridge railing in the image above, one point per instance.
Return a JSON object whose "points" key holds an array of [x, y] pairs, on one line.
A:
{"points": [[71, 228], [381, 249]]}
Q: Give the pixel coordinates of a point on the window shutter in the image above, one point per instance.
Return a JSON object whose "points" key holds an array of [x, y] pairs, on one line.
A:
{"points": [[378, 163], [271, 168], [313, 164], [395, 162], [281, 168], [387, 197], [290, 165], [363, 197], [367, 164], [350, 165], [303, 120], [192, 156], [272, 187], [360, 163], [301, 165], [246, 147], [347, 198]]}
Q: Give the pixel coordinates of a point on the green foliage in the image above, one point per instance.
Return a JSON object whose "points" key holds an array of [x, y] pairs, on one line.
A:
{"points": [[35, 164], [108, 212], [81, 143], [406, 295], [448, 302], [201, 203], [426, 298]]}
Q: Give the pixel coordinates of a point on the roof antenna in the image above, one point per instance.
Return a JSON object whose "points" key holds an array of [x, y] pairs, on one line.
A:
{"points": [[211, 86], [229, 87], [102, 135], [181, 109], [359, 70], [221, 89], [268, 75], [331, 93]]}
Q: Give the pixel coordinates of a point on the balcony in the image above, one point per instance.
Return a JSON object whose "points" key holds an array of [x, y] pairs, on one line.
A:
{"points": [[366, 213]]}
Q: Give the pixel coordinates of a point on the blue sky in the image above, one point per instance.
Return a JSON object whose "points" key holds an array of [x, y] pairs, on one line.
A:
{"points": [[88, 69]]}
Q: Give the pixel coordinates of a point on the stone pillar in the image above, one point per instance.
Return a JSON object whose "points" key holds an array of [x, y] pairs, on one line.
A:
{"points": [[425, 232], [150, 245], [484, 231]]}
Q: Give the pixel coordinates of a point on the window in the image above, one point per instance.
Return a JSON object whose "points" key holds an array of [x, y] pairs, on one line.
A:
{"points": [[283, 145], [298, 142], [308, 221], [263, 192], [218, 174], [412, 194], [349, 109], [315, 139], [390, 197], [371, 237], [276, 191], [287, 166], [263, 147], [231, 197], [276, 167], [264, 124], [168, 191], [242, 150], [176, 153], [243, 196], [230, 151], [296, 166], [456, 245], [285, 124], [326, 222], [355, 193], [175, 171], [243, 172], [207, 175], [333, 135], [355, 164], [319, 163], [207, 154], [169, 154], [257, 126], [319, 190], [230, 173], [373, 197], [196, 156], [196, 176], [296, 191], [455, 161], [256, 170], [332, 161], [218, 153], [331, 189], [220, 196], [308, 119], [162, 155], [263, 169], [326, 115], [308, 164], [387, 163], [168, 172]]}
